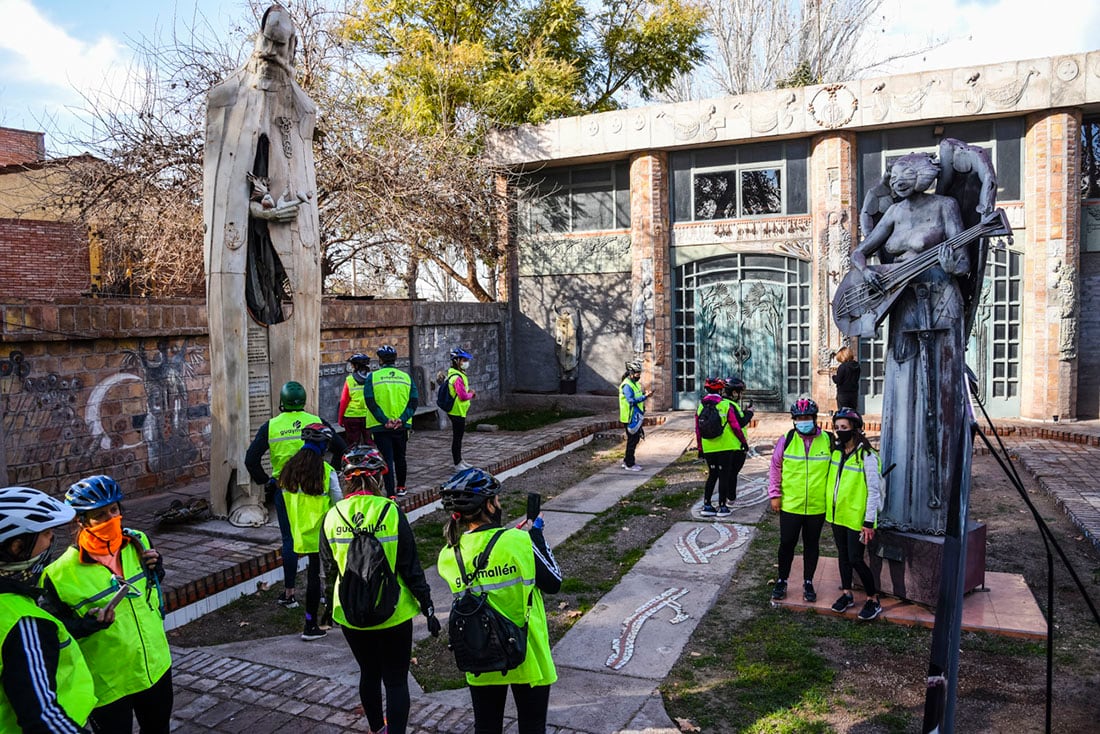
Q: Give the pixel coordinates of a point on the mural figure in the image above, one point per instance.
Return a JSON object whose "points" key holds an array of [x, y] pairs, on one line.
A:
{"points": [[261, 242], [932, 250], [641, 311], [567, 342]]}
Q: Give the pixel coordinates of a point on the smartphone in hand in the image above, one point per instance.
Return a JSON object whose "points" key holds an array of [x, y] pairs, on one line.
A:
{"points": [[123, 589], [534, 505]]}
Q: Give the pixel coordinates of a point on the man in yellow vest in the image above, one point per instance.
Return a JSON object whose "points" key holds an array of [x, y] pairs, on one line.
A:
{"points": [[45, 684], [129, 657], [353, 410], [391, 399], [632, 410], [281, 437]]}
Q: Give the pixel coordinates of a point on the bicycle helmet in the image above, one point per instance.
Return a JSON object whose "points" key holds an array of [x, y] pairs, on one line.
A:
{"points": [[459, 353], [292, 396], [317, 433], [634, 366], [387, 354], [94, 492], [851, 415], [803, 406], [359, 359], [735, 383], [366, 460], [714, 384], [24, 511], [468, 490]]}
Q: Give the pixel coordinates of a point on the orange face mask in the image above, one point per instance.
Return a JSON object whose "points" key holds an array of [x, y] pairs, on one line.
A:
{"points": [[104, 539]]}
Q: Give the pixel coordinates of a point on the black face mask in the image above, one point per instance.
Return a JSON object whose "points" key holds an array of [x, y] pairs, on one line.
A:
{"points": [[495, 515], [845, 436]]}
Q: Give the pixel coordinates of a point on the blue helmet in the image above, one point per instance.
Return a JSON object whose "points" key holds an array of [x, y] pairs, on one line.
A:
{"points": [[92, 493], [359, 359], [386, 354], [459, 353], [468, 490]]}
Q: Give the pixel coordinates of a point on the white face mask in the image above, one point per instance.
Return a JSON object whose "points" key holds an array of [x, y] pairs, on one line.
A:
{"points": [[463, 364]]}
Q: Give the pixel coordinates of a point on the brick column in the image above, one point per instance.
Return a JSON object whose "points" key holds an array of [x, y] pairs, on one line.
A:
{"points": [[835, 232], [508, 269], [649, 255], [1051, 262]]}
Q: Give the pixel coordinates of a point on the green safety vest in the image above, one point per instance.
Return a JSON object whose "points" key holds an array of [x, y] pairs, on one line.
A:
{"points": [[805, 478], [357, 407], [364, 510], [73, 681], [848, 504], [284, 437], [728, 441], [391, 389], [306, 512], [461, 407], [625, 407], [132, 654], [508, 579]]}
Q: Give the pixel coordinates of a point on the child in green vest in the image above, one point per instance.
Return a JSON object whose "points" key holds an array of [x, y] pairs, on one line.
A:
{"points": [[310, 487]]}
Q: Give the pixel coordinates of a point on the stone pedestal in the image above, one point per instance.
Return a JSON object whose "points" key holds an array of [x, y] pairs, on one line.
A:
{"points": [[908, 565]]}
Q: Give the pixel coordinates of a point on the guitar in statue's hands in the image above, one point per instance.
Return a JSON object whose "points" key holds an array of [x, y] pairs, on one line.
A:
{"points": [[859, 306]]}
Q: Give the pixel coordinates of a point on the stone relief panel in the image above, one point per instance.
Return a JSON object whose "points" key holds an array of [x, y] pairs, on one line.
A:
{"points": [[835, 248], [687, 127], [887, 98], [1063, 283], [786, 236], [833, 106], [550, 255]]}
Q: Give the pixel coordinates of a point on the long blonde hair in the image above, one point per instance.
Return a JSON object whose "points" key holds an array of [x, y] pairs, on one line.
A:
{"points": [[844, 354]]}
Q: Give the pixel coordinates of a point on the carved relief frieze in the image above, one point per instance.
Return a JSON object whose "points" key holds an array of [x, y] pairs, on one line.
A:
{"points": [[686, 128], [560, 255], [909, 102], [792, 234], [835, 246], [833, 106], [1063, 282], [777, 118], [999, 96]]}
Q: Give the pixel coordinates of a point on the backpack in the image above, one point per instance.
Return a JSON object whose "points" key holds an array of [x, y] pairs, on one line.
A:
{"points": [[710, 421], [484, 640], [444, 399], [369, 590]]}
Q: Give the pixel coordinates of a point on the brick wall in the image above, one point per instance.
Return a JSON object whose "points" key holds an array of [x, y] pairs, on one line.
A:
{"points": [[43, 259], [649, 241], [21, 146]]}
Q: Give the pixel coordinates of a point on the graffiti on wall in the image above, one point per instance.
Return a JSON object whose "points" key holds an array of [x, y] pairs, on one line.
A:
{"points": [[145, 405]]}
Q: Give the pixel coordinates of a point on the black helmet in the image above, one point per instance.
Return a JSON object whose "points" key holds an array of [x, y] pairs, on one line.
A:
{"points": [[317, 433], [468, 490], [804, 406], [735, 383], [92, 493], [364, 459], [292, 396], [387, 354], [359, 359], [851, 415]]}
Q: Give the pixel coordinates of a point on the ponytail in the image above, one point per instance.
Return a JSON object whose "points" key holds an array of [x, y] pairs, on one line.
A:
{"points": [[458, 523]]}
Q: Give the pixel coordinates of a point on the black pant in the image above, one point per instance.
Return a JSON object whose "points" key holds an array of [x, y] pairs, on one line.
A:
{"points": [[313, 585], [632, 440], [383, 656], [791, 525], [290, 558], [531, 706], [849, 552], [458, 428], [847, 400], [152, 707], [392, 445], [722, 469]]}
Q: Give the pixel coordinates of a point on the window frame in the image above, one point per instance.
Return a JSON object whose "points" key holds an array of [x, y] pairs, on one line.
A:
{"points": [[617, 185]]}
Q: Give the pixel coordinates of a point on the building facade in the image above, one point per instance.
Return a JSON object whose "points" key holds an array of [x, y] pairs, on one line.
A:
{"points": [[709, 237]]}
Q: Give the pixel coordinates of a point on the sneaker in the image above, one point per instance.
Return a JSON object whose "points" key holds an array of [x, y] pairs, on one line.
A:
{"points": [[708, 510], [287, 602], [462, 465], [636, 467], [401, 491], [312, 631], [871, 609], [844, 603], [808, 593], [779, 591], [723, 510]]}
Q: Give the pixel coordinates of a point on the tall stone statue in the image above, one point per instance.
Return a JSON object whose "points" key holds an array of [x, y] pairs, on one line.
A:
{"points": [[263, 273], [931, 248]]}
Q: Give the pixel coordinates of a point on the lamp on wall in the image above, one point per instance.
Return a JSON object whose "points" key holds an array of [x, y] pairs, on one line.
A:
{"points": [[938, 131]]}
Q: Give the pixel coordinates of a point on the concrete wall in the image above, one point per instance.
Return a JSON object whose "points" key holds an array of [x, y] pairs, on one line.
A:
{"points": [[122, 387]]}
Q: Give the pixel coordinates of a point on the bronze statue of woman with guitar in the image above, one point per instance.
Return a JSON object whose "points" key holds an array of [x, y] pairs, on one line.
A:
{"points": [[931, 248]]}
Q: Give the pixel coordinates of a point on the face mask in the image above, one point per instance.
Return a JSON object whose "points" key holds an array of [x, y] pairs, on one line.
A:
{"points": [[464, 364], [103, 539], [805, 427], [30, 570], [495, 515], [845, 436]]}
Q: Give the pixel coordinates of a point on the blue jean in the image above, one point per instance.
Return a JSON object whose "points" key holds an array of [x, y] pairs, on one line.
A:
{"points": [[290, 558]]}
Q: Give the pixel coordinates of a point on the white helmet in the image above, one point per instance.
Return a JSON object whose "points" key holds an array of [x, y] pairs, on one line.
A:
{"points": [[24, 510]]}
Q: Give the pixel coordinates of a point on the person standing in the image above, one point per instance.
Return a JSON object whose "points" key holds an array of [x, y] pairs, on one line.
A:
{"points": [[632, 411], [459, 387], [724, 452], [391, 399], [523, 570], [797, 481], [846, 379], [281, 437], [382, 651], [310, 487], [353, 409], [45, 684], [129, 659], [852, 506]]}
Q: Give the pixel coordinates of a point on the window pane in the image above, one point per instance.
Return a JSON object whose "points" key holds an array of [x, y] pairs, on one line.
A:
{"points": [[592, 210], [761, 192], [798, 188], [1090, 159], [715, 196]]}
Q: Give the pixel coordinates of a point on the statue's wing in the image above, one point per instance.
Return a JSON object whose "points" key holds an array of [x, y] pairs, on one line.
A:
{"points": [[967, 176], [875, 203]]}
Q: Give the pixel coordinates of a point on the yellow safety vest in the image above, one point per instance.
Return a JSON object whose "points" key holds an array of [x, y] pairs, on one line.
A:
{"points": [[284, 437], [74, 687], [132, 654], [508, 579], [848, 504], [625, 406], [306, 512], [357, 407], [728, 441], [391, 389], [363, 510], [806, 476], [461, 407]]}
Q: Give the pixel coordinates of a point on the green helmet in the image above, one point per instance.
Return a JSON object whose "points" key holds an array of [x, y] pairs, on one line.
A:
{"points": [[292, 396]]}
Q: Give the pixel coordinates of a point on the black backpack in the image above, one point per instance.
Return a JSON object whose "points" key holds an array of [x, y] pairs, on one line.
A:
{"points": [[444, 400], [482, 639], [368, 587], [711, 424]]}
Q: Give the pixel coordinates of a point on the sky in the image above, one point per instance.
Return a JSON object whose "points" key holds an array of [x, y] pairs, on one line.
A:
{"points": [[51, 50]]}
